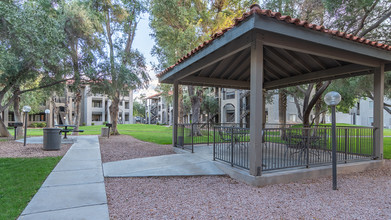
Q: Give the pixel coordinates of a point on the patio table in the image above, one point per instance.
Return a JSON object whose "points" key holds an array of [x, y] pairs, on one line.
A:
{"points": [[66, 130]]}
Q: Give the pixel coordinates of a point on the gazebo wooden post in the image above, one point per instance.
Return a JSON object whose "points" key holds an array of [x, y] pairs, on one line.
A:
{"points": [[175, 115], [256, 107], [378, 103]]}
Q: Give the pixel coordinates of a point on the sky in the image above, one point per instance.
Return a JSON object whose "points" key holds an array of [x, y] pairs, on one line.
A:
{"points": [[144, 43]]}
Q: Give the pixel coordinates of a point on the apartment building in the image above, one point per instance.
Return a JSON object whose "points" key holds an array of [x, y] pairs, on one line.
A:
{"points": [[158, 110], [94, 109], [235, 109]]}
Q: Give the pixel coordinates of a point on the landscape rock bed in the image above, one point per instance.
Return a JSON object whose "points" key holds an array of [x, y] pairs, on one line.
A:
{"points": [[124, 147], [13, 149], [360, 195]]}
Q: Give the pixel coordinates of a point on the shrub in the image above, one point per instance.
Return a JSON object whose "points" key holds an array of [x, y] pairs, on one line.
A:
{"points": [[41, 125], [92, 123], [105, 122], [157, 123], [35, 125], [84, 124]]}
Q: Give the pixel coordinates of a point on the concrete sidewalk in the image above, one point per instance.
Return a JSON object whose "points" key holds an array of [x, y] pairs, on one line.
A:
{"points": [[75, 189], [184, 164]]}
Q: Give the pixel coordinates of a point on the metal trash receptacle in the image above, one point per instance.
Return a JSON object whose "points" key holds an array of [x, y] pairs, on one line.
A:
{"points": [[51, 138]]}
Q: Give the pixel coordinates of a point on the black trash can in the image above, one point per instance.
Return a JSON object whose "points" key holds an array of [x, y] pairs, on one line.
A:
{"points": [[51, 138]]}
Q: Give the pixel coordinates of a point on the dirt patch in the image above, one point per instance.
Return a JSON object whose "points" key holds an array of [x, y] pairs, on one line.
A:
{"points": [[124, 147], [11, 148]]}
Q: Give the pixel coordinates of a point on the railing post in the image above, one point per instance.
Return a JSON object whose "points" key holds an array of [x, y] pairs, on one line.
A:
{"points": [[192, 136], [208, 130], [346, 144], [214, 143], [308, 148], [232, 146]]}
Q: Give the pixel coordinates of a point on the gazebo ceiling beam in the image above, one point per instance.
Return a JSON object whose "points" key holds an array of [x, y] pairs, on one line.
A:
{"points": [[239, 68], [215, 82], [316, 60], [233, 41], [290, 43], [314, 42], [239, 58], [318, 75], [282, 58], [275, 66], [292, 55]]}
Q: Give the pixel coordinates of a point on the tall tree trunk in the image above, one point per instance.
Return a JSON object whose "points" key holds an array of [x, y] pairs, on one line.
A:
{"points": [[78, 98], [282, 111], [3, 130], [17, 115], [195, 98], [114, 109]]}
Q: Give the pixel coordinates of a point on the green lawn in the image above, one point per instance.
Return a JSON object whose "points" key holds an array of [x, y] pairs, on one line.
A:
{"points": [[387, 148], [20, 179], [163, 135]]}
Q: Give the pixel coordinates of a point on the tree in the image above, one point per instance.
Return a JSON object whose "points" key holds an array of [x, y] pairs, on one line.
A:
{"points": [[81, 28], [180, 26], [364, 18], [123, 69], [31, 47]]}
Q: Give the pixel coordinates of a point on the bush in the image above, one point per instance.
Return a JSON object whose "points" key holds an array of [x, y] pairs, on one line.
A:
{"points": [[92, 123], [84, 124], [41, 125], [35, 125], [157, 123], [105, 122]]}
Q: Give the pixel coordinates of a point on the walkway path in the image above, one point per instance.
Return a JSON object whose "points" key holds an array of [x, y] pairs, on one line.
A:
{"points": [[75, 189], [184, 164]]}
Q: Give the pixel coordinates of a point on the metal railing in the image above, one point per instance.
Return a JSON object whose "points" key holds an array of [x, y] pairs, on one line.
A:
{"points": [[231, 145], [293, 147], [192, 134]]}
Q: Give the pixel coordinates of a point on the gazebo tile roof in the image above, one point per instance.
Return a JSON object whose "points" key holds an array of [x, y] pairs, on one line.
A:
{"points": [[255, 9]]}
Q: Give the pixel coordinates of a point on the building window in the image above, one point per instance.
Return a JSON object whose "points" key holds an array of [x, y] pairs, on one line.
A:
{"points": [[97, 103], [11, 116], [126, 117], [229, 95], [126, 105], [292, 117], [96, 116]]}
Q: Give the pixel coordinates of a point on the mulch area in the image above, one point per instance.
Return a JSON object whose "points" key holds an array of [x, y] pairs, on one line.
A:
{"points": [[13, 149], [124, 147], [360, 195]]}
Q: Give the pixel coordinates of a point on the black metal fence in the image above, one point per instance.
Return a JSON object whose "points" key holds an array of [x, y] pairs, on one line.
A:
{"points": [[231, 145], [293, 146], [192, 134]]}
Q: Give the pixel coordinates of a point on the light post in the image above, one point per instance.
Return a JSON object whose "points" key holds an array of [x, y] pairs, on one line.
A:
{"points": [[332, 99], [26, 110], [47, 112]]}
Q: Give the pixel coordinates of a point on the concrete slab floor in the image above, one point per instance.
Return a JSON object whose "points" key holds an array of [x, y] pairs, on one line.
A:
{"points": [[75, 189], [184, 164]]}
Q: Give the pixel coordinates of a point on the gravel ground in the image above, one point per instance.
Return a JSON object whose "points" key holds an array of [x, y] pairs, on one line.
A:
{"points": [[11, 148], [124, 147], [360, 196]]}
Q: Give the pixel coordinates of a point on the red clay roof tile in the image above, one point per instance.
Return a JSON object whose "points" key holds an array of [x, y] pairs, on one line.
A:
{"points": [[255, 9]]}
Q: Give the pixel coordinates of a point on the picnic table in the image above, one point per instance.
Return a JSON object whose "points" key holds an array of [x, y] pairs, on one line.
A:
{"points": [[66, 130]]}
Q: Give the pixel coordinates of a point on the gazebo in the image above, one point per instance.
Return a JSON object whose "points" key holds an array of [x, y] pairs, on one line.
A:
{"points": [[264, 50]]}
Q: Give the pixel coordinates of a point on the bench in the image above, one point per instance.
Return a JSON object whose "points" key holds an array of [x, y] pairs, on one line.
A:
{"points": [[66, 131]]}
